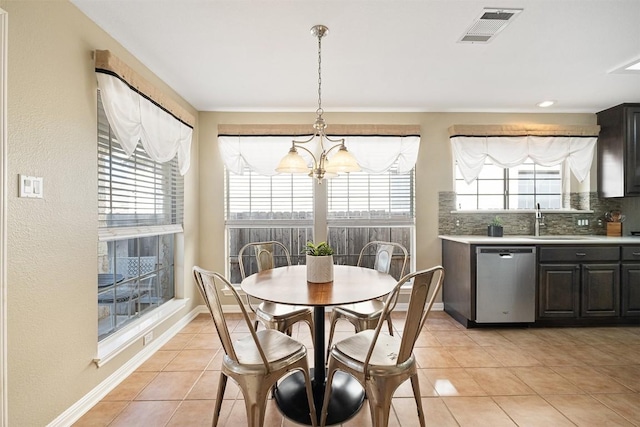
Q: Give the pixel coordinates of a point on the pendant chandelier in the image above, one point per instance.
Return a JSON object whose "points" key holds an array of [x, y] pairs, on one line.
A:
{"points": [[341, 161]]}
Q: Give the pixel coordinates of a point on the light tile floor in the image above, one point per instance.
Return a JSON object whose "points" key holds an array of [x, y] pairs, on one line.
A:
{"points": [[469, 377]]}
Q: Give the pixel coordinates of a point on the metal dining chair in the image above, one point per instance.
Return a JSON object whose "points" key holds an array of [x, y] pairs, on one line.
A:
{"points": [[273, 316], [365, 315], [256, 361], [382, 362]]}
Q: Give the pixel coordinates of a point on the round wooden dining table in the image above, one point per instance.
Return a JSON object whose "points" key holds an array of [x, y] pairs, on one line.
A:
{"points": [[288, 285]]}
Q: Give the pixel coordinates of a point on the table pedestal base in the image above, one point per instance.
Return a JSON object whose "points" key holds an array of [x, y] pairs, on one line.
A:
{"points": [[345, 401]]}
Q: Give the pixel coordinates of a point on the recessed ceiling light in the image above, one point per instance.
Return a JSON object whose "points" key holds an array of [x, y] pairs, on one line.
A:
{"points": [[632, 67], [545, 104]]}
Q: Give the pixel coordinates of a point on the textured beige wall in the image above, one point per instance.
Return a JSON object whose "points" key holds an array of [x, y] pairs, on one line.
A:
{"points": [[52, 242], [434, 168]]}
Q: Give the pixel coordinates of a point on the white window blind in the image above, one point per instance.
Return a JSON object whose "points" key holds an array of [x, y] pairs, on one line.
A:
{"points": [[135, 191], [360, 195], [252, 196]]}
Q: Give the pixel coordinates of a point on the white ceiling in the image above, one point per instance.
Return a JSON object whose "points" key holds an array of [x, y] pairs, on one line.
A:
{"points": [[381, 55]]}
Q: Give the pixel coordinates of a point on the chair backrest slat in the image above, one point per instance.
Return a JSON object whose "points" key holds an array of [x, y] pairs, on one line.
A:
{"points": [[207, 285], [265, 256], [424, 283], [384, 255]]}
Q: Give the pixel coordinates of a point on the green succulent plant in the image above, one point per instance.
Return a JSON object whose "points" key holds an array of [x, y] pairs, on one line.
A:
{"points": [[497, 222], [321, 249]]}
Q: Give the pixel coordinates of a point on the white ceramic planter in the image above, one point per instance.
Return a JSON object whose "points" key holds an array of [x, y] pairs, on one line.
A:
{"points": [[319, 269]]}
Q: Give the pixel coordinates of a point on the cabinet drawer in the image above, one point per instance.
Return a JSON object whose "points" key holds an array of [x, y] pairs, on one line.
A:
{"points": [[579, 253], [631, 253]]}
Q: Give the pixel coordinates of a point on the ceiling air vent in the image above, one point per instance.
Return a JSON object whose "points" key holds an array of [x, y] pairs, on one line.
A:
{"points": [[488, 25]]}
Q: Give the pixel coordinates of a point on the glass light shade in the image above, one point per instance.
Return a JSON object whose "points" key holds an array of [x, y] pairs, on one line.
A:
{"points": [[292, 163], [342, 161]]}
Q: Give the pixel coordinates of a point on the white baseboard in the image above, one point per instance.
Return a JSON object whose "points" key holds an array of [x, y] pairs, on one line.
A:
{"points": [[82, 406]]}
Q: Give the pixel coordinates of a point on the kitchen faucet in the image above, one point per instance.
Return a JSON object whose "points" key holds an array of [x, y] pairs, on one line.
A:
{"points": [[536, 226]]}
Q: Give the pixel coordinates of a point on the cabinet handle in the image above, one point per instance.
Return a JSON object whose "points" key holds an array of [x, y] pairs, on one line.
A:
{"points": [[635, 253], [581, 254]]}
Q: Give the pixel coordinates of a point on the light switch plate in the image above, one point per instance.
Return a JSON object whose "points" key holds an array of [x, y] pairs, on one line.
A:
{"points": [[31, 186]]}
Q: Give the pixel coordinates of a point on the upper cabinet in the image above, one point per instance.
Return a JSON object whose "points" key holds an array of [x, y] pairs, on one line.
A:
{"points": [[619, 151]]}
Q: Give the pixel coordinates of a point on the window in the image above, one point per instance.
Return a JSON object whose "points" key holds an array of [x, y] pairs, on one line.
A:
{"points": [[361, 207], [261, 208], [364, 207], [519, 187], [140, 208]]}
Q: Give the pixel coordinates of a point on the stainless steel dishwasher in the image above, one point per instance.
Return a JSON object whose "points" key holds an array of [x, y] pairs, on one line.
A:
{"points": [[505, 284]]}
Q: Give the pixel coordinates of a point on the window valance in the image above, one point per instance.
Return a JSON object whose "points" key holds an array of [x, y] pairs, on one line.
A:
{"points": [[135, 116], [262, 153], [524, 130], [509, 146]]}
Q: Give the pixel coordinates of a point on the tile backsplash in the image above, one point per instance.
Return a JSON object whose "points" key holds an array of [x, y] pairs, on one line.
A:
{"points": [[522, 223]]}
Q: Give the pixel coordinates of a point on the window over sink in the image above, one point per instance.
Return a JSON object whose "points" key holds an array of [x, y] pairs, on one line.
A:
{"points": [[515, 188]]}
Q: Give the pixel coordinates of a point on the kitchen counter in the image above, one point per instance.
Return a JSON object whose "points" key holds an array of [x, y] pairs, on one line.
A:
{"points": [[543, 240], [579, 279]]}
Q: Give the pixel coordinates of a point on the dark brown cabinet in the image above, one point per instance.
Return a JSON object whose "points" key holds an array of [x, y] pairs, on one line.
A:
{"points": [[558, 290], [600, 296], [619, 151], [578, 282], [630, 287]]}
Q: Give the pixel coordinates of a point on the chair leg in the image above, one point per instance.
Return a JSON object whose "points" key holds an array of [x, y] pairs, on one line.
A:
{"points": [[222, 385], [415, 384], [255, 411], [255, 390], [313, 334], [327, 393], [380, 394], [390, 324], [332, 329]]}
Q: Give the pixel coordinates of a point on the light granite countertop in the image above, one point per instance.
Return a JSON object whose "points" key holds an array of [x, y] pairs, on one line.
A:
{"points": [[543, 240]]}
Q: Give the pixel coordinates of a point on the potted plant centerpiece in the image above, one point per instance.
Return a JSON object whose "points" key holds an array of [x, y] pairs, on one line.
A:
{"points": [[319, 262], [495, 227]]}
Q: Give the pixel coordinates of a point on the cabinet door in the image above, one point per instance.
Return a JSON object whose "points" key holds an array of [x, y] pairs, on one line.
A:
{"points": [[558, 290], [600, 290], [630, 290], [632, 135]]}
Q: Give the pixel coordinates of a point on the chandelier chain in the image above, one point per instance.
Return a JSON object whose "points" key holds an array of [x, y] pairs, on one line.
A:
{"points": [[319, 111]]}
